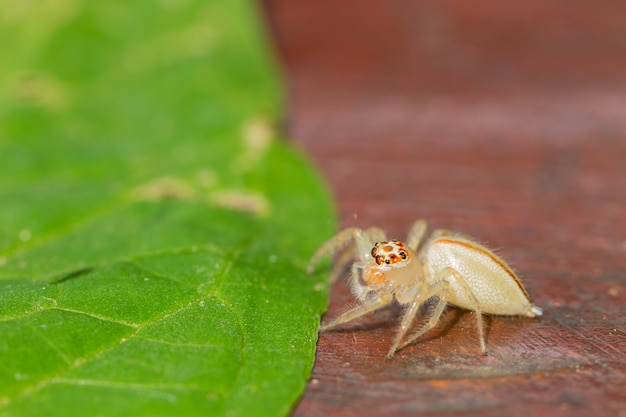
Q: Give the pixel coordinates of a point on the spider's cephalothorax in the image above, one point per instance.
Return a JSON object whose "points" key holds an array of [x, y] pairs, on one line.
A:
{"points": [[389, 253]]}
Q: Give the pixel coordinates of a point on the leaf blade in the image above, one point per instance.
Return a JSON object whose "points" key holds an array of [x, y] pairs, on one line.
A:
{"points": [[145, 271]]}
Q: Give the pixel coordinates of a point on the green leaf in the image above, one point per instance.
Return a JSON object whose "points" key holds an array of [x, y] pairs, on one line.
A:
{"points": [[154, 231]]}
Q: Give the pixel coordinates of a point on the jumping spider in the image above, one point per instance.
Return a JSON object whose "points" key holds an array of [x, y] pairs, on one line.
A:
{"points": [[448, 266]]}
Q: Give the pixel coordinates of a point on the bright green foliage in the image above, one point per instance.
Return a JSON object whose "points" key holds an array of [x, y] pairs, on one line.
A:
{"points": [[153, 230]]}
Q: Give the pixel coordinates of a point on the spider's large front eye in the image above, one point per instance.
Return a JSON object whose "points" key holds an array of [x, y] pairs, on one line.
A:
{"points": [[376, 256]]}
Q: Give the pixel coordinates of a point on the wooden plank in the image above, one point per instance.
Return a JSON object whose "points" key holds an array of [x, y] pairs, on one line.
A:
{"points": [[504, 122]]}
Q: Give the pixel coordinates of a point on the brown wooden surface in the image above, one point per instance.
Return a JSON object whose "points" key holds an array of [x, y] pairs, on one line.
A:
{"points": [[502, 120]]}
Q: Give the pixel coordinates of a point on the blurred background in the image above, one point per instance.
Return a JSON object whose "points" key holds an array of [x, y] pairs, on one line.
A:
{"points": [[422, 48]]}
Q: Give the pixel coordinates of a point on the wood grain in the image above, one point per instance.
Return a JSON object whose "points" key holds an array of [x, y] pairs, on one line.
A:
{"points": [[504, 121]]}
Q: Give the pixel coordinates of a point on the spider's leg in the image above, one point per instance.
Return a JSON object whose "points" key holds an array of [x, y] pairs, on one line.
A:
{"points": [[439, 289], [375, 234], [368, 306], [342, 261], [337, 242], [416, 234], [444, 276], [475, 304], [364, 242], [358, 288], [358, 253]]}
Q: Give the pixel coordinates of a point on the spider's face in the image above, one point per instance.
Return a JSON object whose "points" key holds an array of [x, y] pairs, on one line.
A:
{"points": [[392, 253]]}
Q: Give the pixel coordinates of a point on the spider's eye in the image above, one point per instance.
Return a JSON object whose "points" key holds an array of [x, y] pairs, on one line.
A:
{"points": [[403, 255], [387, 261]]}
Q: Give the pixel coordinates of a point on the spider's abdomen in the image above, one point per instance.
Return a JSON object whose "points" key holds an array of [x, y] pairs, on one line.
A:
{"points": [[496, 287]]}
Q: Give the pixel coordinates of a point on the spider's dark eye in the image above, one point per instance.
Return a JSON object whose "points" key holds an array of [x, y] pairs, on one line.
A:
{"points": [[403, 255], [386, 261]]}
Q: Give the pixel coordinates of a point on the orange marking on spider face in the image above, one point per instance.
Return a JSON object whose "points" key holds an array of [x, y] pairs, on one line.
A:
{"points": [[390, 252], [490, 255]]}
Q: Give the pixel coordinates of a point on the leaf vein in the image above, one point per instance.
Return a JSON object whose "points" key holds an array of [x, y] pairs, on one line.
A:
{"points": [[182, 344], [95, 316], [135, 386], [49, 343]]}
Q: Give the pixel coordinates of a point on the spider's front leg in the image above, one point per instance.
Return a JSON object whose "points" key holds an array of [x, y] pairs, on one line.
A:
{"points": [[367, 306], [358, 253], [353, 244], [337, 242]]}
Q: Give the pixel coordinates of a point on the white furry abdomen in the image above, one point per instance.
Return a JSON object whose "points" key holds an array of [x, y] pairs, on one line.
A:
{"points": [[494, 285]]}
